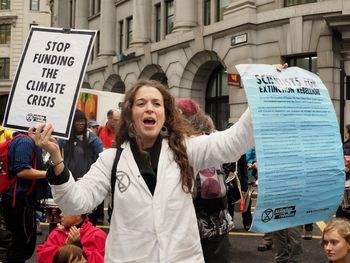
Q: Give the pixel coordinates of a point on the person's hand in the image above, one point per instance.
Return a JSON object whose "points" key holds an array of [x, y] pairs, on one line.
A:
{"points": [[42, 136], [73, 235], [279, 67]]}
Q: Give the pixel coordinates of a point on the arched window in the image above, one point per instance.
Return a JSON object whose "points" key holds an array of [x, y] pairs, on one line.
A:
{"points": [[217, 98]]}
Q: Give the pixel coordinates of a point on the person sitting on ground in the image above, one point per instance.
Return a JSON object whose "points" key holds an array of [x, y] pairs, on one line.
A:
{"points": [[336, 240], [70, 254], [76, 230]]}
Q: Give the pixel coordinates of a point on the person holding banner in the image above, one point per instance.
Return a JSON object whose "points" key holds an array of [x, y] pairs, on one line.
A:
{"points": [[153, 218], [336, 241]]}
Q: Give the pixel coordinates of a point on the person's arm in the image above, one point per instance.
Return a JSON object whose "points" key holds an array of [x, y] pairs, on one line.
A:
{"points": [[96, 144], [47, 250], [94, 247], [32, 174], [23, 154]]}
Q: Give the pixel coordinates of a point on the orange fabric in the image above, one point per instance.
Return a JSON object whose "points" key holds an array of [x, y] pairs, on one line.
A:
{"points": [[107, 136]]}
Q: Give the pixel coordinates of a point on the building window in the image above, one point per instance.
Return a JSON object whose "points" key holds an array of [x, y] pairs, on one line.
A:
{"points": [[297, 2], [5, 4], [96, 6], [220, 8], [158, 18], [3, 103], [5, 34], [98, 41], [4, 68], [206, 13], [34, 5], [169, 17], [92, 56], [217, 98], [121, 36], [305, 62], [129, 31]]}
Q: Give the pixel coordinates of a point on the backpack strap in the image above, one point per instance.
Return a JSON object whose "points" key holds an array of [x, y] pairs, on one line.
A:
{"points": [[114, 170]]}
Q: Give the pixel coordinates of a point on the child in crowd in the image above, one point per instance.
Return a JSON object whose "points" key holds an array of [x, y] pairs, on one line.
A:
{"points": [[70, 254]]}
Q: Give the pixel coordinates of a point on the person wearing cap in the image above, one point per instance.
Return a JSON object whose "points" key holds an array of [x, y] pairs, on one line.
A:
{"points": [[94, 127]]}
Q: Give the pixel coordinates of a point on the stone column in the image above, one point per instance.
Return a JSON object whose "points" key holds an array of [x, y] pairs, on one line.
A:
{"points": [[142, 22], [107, 26], [81, 14], [185, 15], [243, 8]]}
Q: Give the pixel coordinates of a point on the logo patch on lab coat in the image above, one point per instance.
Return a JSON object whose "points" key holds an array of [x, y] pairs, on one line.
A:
{"points": [[123, 181]]}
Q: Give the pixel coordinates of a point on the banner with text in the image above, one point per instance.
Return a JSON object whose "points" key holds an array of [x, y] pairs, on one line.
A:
{"points": [[48, 78], [298, 147]]}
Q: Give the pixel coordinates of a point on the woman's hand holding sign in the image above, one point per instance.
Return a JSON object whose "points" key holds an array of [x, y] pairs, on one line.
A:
{"points": [[42, 135]]}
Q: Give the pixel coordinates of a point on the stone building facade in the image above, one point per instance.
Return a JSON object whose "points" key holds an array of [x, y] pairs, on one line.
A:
{"points": [[16, 18], [192, 45]]}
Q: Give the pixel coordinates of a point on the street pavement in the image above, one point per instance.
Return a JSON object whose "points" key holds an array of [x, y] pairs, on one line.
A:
{"points": [[244, 245]]}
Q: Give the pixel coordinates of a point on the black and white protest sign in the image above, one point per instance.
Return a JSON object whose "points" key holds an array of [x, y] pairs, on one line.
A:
{"points": [[48, 78]]}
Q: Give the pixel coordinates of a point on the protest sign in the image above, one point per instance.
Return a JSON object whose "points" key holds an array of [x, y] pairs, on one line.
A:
{"points": [[298, 147], [46, 85]]}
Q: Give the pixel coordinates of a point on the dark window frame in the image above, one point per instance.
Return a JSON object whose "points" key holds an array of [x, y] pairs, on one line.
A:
{"points": [[288, 3], [158, 18], [5, 4], [5, 31], [169, 21], [121, 36], [292, 61], [219, 17], [215, 105], [129, 24], [5, 62], [31, 5], [206, 12]]}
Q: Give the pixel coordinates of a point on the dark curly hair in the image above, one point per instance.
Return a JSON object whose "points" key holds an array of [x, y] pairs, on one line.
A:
{"points": [[178, 129]]}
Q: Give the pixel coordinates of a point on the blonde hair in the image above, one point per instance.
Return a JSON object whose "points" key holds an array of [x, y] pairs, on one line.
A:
{"points": [[342, 226]]}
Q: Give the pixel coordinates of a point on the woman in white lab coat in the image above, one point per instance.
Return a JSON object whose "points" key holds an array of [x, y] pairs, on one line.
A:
{"points": [[153, 218]]}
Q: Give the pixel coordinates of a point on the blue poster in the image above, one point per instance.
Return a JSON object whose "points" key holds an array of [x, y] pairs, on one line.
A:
{"points": [[298, 147]]}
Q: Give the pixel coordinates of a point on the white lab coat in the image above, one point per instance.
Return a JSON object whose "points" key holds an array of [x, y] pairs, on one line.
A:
{"points": [[162, 227]]}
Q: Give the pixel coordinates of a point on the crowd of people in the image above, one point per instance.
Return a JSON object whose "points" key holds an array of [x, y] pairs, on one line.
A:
{"points": [[170, 199]]}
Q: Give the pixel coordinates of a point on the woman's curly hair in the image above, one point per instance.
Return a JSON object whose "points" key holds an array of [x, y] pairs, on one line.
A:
{"points": [[177, 126]]}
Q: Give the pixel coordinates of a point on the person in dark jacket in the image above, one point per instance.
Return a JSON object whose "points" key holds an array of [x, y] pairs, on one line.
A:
{"points": [[80, 152], [25, 162]]}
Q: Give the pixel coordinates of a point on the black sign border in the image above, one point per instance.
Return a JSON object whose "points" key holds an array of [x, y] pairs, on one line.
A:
{"points": [[14, 85]]}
